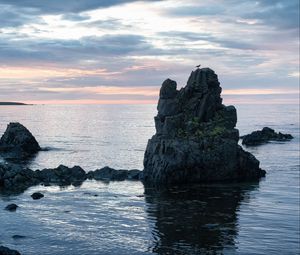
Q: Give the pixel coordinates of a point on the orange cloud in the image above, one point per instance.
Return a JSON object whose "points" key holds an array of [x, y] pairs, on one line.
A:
{"points": [[90, 101], [107, 90], [39, 73], [257, 91]]}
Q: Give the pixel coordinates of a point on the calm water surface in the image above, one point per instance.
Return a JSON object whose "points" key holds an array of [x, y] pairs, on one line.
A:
{"points": [[123, 218]]}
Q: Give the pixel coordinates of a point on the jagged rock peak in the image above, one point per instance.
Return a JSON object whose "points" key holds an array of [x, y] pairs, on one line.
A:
{"points": [[202, 80], [199, 101]]}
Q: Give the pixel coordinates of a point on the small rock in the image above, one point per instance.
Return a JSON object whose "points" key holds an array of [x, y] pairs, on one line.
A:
{"points": [[18, 141], [18, 237], [107, 173], [263, 136], [37, 195], [11, 207]]}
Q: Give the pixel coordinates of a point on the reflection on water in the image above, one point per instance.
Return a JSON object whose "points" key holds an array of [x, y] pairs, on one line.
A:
{"points": [[115, 218], [198, 219]]}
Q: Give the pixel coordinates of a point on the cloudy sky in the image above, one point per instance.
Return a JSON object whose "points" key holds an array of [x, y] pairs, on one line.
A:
{"points": [[120, 51]]}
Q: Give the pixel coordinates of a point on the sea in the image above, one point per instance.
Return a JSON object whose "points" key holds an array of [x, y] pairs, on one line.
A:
{"points": [[120, 218]]}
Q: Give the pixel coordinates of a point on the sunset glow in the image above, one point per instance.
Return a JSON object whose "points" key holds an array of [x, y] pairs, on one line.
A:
{"points": [[100, 52]]}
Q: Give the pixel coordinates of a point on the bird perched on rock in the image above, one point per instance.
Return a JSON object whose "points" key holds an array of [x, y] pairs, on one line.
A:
{"points": [[198, 66]]}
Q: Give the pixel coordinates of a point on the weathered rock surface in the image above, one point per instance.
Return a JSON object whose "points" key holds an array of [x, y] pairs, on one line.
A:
{"points": [[7, 251], [18, 142], [196, 140], [263, 136]]}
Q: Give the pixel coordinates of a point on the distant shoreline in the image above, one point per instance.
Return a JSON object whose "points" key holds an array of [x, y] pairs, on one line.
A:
{"points": [[12, 103]]}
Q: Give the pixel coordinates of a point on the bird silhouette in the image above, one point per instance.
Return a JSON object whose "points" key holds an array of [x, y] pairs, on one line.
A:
{"points": [[198, 66]]}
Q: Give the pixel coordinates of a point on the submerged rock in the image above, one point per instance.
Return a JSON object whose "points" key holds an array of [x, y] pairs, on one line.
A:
{"points": [[17, 237], [263, 136], [11, 207], [18, 142], [37, 195], [196, 140], [7, 251]]}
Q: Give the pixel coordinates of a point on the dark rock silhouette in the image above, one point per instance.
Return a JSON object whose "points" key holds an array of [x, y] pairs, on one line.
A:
{"points": [[12, 103], [110, 174], [37, 195], [15, 179], [11, 207], [196, 140], [62, 175], [263, 136], [7, 251], [18, 142]]}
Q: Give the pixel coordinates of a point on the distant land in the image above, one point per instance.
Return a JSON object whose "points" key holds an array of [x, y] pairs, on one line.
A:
{"points": [[12, 103]]}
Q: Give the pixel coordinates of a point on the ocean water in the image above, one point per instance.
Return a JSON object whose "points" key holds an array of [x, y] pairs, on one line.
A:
{"points": [[121, 217]]}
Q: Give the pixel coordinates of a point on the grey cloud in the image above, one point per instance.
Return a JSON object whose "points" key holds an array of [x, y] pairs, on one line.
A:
{"points": [[66, 6], [75, 17], [10, 17], [282, 14], [15, 13], [196, 10], [227, 43], [71, 50], [106, 24]]}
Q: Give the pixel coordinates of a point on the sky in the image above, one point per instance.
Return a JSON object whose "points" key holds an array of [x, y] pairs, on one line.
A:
{"points": [[120, 51]]}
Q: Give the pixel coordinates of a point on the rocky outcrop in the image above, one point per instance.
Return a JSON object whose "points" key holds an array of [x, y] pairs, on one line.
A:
{"points": [[110, 174], [263, 136], [18, 142], [7, 251], [62, 175], [196, 140], [14, 178]]}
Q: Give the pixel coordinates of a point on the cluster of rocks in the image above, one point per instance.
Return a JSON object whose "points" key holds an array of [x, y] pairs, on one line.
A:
{"points": [[196, 139], [16, 178], [263, 136], [17, 142]]}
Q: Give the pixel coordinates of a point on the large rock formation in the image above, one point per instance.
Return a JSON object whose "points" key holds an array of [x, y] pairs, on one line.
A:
{"points": [[196, 140], [18, 142]]}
